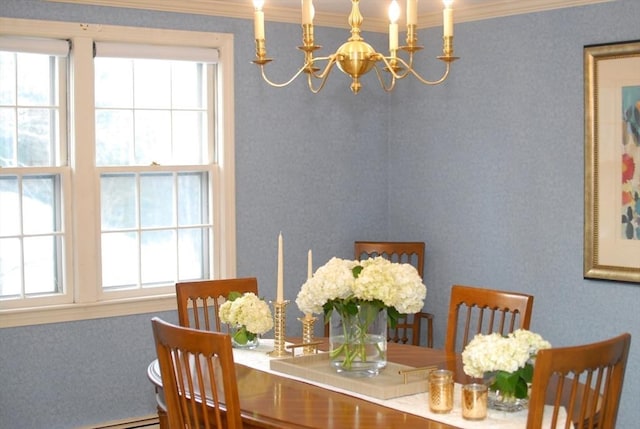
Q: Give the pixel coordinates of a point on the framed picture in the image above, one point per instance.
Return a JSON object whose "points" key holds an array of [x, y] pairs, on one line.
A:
{"points": [[612, 162]]}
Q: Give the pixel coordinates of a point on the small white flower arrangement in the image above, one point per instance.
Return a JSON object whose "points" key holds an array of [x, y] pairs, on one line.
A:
{"points": [[248, 313], [341, 282], [507, 357]]}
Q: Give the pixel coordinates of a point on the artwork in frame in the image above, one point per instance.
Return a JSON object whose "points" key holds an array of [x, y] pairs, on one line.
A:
{"points": [[612, 162]]}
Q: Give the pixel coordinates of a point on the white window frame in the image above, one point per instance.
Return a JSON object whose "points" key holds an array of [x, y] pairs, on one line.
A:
{"points": [[84, 280]]}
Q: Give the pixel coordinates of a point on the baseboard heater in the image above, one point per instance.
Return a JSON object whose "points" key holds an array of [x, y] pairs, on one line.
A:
{"points": [[132, 423]]}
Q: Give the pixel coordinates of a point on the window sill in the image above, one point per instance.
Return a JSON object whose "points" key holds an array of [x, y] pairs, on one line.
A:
{"points": [[74, 312]]}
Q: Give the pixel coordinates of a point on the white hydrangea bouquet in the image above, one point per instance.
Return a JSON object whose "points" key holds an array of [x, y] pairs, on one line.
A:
{"points": [[342, 283], [507, 358], [248, 314], [358, 291]]}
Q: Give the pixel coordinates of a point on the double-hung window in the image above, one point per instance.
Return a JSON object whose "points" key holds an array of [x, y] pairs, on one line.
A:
{"points": [[116, 169]]}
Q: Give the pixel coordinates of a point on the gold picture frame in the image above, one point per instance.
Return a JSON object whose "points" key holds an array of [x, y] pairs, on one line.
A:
{"points": [[612, 162]]}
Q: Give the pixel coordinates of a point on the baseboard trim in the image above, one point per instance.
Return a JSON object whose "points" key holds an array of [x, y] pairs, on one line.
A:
{"points": [[131, 423]]}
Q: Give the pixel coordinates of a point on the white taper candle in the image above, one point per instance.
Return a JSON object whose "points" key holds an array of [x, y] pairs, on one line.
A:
{"points": [[280, 281]]}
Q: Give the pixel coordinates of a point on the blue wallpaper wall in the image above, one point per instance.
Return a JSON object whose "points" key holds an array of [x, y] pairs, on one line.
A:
{"points": [[487, 169]]}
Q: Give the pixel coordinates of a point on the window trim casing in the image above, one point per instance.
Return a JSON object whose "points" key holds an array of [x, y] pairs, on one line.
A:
{"points": [[86, 303]]}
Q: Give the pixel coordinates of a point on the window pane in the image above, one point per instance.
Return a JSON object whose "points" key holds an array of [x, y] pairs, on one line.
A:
{"points": [[189, 137], [7, 137], [192, 254], [41, 273], [118, 201], [10, 216], [8, 78], [37, 136], [119, 260], [114, 82], [153, 137], [187, 85], [192, 198], [114, 137], [152, 84], [10, 267], [39, 205], [35, 73], [156, 200], [159, 257]]}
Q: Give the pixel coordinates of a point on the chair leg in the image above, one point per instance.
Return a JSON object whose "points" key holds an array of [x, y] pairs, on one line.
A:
{"points": [[163, 420], [430, 331]]}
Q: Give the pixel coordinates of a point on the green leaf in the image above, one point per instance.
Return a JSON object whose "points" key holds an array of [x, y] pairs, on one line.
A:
{"points": [[233, 295], [506, 382], [241, 336], [392, 317], [351, 307], [356, 271], [521, 389], [527, 373], [327, 309]]}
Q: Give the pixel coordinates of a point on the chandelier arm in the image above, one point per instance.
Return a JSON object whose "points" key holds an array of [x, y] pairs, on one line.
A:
{"points": [[323, 76], [434, 82], [381, 80], [411, 70], [331, 60], [280, 85]]}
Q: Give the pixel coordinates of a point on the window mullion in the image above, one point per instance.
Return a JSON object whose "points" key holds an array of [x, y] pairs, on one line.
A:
{"points": [[86, 238]]}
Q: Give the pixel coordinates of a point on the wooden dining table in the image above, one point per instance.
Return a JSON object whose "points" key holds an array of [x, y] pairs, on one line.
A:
{"points": [[272, 401], [269, 400]]}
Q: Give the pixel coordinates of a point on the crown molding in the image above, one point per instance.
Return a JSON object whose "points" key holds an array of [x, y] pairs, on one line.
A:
{"points": [[493, 9]]}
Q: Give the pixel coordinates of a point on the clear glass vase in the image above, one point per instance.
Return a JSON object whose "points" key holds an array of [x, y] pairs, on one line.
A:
{"points": [[358, 342], [505, 402], [243, 339]]}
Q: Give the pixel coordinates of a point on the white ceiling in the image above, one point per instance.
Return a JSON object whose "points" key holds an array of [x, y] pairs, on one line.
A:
{"points": [[334, 13]]}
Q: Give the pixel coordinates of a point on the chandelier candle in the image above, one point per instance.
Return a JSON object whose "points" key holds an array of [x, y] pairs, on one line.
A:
{"points": [[258, 20], [447, 19]]}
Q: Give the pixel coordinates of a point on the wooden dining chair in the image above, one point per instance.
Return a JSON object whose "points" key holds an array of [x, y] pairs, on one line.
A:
{"points": [[198, 377], [474, 310], [408, 327], [586, 380], [198, 301]]}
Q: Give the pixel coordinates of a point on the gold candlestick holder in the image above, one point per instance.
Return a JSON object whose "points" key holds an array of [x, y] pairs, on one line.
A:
{"points": [[307, 335], [279, 329]]}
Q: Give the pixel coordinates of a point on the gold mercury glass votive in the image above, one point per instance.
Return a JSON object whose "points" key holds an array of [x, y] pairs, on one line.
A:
{"points": [[441, 391], [474, 401]]}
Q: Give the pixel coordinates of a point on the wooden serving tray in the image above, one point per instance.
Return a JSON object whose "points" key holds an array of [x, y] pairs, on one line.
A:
{"points": [[386, 385]]}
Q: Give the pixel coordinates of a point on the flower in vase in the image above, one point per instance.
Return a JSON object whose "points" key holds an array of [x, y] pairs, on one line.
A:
{"points": [[508, 359], [343, 284], [249, 313], [359, 291]]}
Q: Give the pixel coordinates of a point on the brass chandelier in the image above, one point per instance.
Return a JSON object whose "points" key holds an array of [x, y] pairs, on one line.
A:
{"points": [[356, 57]]}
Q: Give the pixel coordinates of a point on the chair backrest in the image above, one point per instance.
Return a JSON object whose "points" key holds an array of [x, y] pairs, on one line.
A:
{"points": [[198, 301], [192, 362], [586, 380], [411, 252], [475, 310]]}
